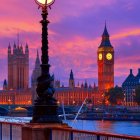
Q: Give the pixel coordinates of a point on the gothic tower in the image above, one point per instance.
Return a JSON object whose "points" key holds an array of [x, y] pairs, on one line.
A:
{"points": [[105, 62], [5, 87], [36, 72], [71, 80], [18, 67]]}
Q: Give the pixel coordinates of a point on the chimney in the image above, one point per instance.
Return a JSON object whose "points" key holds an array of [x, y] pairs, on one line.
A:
{"points": [[139, 71], [131, 71]]}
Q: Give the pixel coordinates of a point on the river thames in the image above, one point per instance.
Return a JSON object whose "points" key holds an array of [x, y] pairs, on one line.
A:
{"points": [[117, 127]]}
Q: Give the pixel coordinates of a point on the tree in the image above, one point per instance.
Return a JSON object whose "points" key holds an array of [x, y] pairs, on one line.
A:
{"points": [[114, 95], [137, 95]]}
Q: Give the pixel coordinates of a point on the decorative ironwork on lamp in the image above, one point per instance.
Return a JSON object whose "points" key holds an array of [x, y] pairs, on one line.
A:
{"points": [[45, 106]]}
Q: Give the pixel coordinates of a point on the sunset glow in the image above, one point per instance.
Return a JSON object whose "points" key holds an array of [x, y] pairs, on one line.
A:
{"points": [[75, 31]]}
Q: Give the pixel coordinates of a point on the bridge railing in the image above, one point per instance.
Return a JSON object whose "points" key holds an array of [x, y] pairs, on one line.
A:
{"points": [[73, 134], [13, 131], [10, 131]]}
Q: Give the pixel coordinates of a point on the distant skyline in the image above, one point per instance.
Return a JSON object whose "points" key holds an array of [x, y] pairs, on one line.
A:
{"points": [[74, 35]]}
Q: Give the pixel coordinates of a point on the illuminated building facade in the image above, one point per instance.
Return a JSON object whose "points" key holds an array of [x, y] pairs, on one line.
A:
{"points": [[73, 95], [129, 85], [105, 60], [18, 67], [16, 97], [76, 96], [16, 91]]}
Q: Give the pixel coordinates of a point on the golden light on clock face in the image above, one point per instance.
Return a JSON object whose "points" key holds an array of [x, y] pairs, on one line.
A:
{"points": [[100, 56], [108, 56]]}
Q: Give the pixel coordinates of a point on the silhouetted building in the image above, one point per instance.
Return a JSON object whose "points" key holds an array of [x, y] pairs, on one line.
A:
{"points": [[105, 61], [36, 72], [82, 85], [86, 84], [17, 91], [18, 67], [129, 85], [71, 80], [5, 85]]}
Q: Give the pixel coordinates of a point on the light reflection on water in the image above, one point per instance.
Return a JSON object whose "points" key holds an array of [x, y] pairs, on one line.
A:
{"points": [[117, 127]]}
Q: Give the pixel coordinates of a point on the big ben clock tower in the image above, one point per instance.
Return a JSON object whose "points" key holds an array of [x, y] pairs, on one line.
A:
{"points": [[105, 61]]}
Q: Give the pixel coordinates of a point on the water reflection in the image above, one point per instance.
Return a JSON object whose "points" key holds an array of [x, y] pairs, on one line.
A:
{"points": [[117, 127], [105, 125]]}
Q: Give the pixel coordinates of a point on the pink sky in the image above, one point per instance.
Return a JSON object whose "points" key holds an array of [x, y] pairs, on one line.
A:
{"points": [[74, 35]]}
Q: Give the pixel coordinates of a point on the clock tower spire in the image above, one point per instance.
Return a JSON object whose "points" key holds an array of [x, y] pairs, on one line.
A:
{"points": [[105, 62]]}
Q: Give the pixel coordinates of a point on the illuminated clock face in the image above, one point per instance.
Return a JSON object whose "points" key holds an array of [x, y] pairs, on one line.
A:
{"points": [[100, 56], [109, 56]]}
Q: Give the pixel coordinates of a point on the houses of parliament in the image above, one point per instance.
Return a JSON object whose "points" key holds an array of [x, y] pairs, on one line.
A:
{"points": [[16, 90]]}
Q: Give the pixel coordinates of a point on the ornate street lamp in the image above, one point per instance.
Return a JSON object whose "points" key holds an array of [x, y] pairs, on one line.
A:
{"points": [[44, 3], [45, 106]]}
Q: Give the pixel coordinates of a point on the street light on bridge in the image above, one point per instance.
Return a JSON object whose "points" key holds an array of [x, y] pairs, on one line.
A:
{"points": [[45, 106]]}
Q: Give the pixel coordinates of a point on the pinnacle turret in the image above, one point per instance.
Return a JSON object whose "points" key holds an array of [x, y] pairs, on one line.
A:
{"points": [[37, 62], [85, 85], [14, 45], [71, 80], [5, 85], [26, 49], [9, 49], [71, 75], [36, 72]]}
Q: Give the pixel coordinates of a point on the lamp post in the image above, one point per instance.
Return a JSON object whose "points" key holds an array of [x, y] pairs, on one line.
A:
{"points": [[45, 106]]}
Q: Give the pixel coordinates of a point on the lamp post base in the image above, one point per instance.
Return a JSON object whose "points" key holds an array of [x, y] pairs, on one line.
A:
{"points": [[45, 109]]}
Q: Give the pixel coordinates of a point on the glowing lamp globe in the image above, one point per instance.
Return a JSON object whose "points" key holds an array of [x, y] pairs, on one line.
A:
{"points": [[44, 3]]}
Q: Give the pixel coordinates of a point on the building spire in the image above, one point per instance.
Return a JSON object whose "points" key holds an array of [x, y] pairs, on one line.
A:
{"points": [[105, 38], [5, 85], [26, 49], [71, 80], [37, 62], [94, 85], [71, 75], [37, 54], [86, 84], [9, 45], [138, 72], [105, 33], [14, 44], [9, 49], [131, 72], [18, 39]]}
